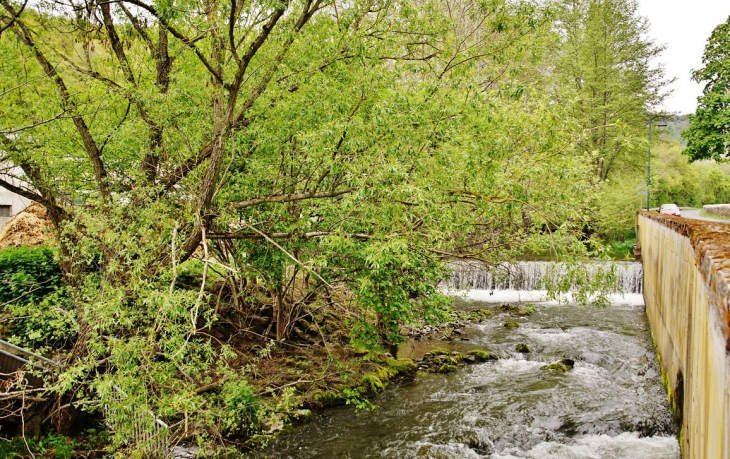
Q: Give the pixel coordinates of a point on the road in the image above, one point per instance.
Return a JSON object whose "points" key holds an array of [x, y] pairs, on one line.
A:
{"points": [[695, 213]]}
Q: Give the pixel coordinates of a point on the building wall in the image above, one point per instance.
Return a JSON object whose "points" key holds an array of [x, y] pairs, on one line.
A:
{"points": [[17, 202], [686, 279]]}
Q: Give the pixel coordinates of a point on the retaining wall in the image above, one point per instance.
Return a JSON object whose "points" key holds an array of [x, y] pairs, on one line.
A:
{"points": [[686, 286]]}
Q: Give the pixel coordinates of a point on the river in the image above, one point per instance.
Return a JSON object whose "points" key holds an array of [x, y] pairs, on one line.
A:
{"points": [[611, 404]]}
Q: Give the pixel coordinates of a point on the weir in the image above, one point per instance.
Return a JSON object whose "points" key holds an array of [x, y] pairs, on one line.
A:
{"points": [[532, 275], [686, 292]]}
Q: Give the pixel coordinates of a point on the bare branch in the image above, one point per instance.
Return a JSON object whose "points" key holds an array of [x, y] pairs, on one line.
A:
{"points": [[31, 126]]}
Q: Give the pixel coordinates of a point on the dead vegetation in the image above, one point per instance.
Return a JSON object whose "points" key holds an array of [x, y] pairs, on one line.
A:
{"points": [[30, 227]]}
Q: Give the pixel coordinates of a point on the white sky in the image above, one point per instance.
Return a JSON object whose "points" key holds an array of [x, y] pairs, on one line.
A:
{"points": [[684, 27]]}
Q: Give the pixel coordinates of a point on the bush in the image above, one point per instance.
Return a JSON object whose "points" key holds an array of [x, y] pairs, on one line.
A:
{"points": [[27, 274], [35, 298], [241, 408]]}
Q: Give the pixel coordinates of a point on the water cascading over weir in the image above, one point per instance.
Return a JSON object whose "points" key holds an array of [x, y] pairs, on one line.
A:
{"points": [[687, 296], [533, 275]]}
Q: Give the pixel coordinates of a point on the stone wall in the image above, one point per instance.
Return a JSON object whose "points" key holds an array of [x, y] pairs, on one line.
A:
{"points": [[686, 287], [718, 209]]}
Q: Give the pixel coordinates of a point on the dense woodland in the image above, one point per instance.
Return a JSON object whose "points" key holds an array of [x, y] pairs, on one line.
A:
{"points": [[249, 199]]}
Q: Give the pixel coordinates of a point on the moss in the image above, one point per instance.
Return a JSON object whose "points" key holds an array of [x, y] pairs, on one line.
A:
{"points": [[671, 395], [402, 366], [446, 360], [441, 352], [481, 355], [329, 398], [523, 348], [371, 385], [302, 416], [446, 368], [485, 313], [511, 325]]}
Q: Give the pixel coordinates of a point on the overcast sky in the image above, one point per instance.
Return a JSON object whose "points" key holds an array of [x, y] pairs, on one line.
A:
{"points": [[684, 27]]}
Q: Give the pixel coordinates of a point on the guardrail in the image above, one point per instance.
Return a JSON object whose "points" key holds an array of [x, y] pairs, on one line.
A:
{"points": [[14, 358]]}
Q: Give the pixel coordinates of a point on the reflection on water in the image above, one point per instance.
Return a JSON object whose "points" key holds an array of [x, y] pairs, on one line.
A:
{"points": [[610, 405]]}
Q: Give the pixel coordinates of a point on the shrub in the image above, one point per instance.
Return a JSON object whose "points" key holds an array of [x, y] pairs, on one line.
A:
{"points": [[35, 298], [27, 274], [241, 407]]}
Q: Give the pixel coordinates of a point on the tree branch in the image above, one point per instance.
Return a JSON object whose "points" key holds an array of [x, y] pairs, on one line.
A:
{"points": [[292, 197], [22, 32], [263, 236]]}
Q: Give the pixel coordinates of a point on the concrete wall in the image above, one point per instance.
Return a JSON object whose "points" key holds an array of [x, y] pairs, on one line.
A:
{"points": [[686, 286]]}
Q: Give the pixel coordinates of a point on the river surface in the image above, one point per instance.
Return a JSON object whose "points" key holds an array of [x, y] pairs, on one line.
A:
{"points": [[610, 405]]}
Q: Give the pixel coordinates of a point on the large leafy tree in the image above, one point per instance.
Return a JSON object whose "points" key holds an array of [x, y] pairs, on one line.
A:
{"points": [[603, 75], [315, 155], [708, 135]]}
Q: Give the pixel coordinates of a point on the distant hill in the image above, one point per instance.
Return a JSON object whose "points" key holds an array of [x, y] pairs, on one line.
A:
{"points": [[676, 124]]}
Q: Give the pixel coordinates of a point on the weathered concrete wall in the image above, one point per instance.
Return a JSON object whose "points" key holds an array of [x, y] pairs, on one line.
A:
{"points": [[686, 286], [719, 209]]}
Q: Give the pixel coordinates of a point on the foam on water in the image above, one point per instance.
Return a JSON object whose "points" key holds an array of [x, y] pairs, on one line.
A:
{"points": [[628, 445], [537, 296]]}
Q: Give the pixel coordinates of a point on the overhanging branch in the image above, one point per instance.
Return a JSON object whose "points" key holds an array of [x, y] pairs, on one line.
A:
{"points": [[292, 197]]}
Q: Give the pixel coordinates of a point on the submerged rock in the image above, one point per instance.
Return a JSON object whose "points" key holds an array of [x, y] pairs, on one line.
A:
{"points": [[483, 313], [523, 348], [561, 366], [511, 325], [480, 355], [446, 368]]}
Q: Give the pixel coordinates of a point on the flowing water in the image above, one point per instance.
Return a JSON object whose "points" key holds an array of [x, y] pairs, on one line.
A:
{"points": [[610, 405]]}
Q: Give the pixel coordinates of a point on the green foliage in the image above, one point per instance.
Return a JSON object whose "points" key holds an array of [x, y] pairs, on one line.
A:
{"points": [[28, 274], [38, 308], [241, 408], [335, 164], [605, 80], [52, 445], [50, 322], [622, 249], [356, 398], [708, 134], [677, 181], [586, 283]]}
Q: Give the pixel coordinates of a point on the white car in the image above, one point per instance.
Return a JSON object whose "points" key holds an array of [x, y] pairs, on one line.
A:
{"points": [[670, 209]]}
